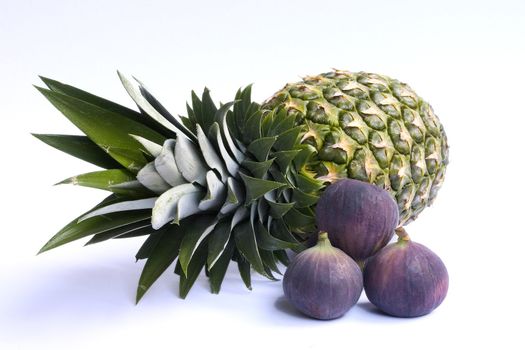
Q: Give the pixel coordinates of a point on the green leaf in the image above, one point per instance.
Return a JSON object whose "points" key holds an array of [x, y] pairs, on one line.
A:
{"points": [[282, 257], [269, 263], [244, 270], [255, 188], [277, 210], [215, 136], [103, 179], [76, 230], [208, 110], [106, 128], [150, 243], [281, 231], [218, 271], [303, 158], [267, 123], [92, 99], [218, 241], [282, 123], [151, 108], [81, 147], [258, 169], [210, 155], [267, 242], [247, 245], [260, 148], [284, 158], [288, 139], [196, 228], [137, 229], [308, 184], [131, 159], [197, 108], [299, 222], [164, 253], [253, 126], [194, 268], [228, 141], [303, 199]]}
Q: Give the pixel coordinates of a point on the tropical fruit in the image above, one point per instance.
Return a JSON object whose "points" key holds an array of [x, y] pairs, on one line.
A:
{"points": [[240, 181]]}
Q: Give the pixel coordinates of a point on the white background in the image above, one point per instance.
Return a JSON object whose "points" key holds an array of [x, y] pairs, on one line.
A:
{"points": [[465, 57]]}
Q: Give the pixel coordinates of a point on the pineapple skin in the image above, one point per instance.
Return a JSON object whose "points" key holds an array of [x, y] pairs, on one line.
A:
{"points": [[371, 128]]}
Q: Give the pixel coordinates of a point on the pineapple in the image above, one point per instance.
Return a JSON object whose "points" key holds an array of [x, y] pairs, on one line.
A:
{"points": [[239, 182]]}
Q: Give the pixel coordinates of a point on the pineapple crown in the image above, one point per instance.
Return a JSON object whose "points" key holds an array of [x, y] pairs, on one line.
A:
{"points": [[227, 183]]}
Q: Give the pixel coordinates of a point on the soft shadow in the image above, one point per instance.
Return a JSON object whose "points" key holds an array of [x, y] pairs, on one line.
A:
{"points": [[284, 306]]}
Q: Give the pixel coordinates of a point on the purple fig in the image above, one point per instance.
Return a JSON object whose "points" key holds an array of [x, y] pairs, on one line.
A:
{"points": [[406, 279], [359, 217], [323, 282]]}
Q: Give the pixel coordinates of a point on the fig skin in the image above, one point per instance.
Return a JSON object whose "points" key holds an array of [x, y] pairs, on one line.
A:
{"points": [[406, 279], [360, 218], [323, 282]]}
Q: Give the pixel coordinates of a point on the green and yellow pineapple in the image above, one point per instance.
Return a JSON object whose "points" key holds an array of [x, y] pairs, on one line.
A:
{"points": [[240, 181]]}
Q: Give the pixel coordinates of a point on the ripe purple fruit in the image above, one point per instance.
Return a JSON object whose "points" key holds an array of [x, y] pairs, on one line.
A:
{"points": [[406, 279], [359, 217], [323, 282]]}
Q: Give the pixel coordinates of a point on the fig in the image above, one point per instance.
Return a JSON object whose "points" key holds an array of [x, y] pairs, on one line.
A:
{"points": [[322, 281], [360, 218], [405, 279]]}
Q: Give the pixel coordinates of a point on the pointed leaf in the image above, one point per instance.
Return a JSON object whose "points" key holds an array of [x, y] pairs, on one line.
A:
{"points": [[244, 270], [208, 110], [209, 154], [218, 241], [269, 263], [284, 158], [299, 222], [138, 204], [132, 159], [230, 145], [258, 169], [76, 230], [288, 139], [81, 147], [148, 146], [72, 91], [303, 199], [138, 228], [255, 188], [164, 253], [260, 148], [135, 92], [103, 179], [247, 245], [218, 271], [282, 257], [194, 268], [175, 120], [196, 229], [150, 243], [104, 127], [277, 210], [253, 126], [231, 164], [308, 184], [267, 242]]}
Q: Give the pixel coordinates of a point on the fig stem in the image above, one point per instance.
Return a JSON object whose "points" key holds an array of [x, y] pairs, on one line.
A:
{"points": [[402, 234], [323, 240]]}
